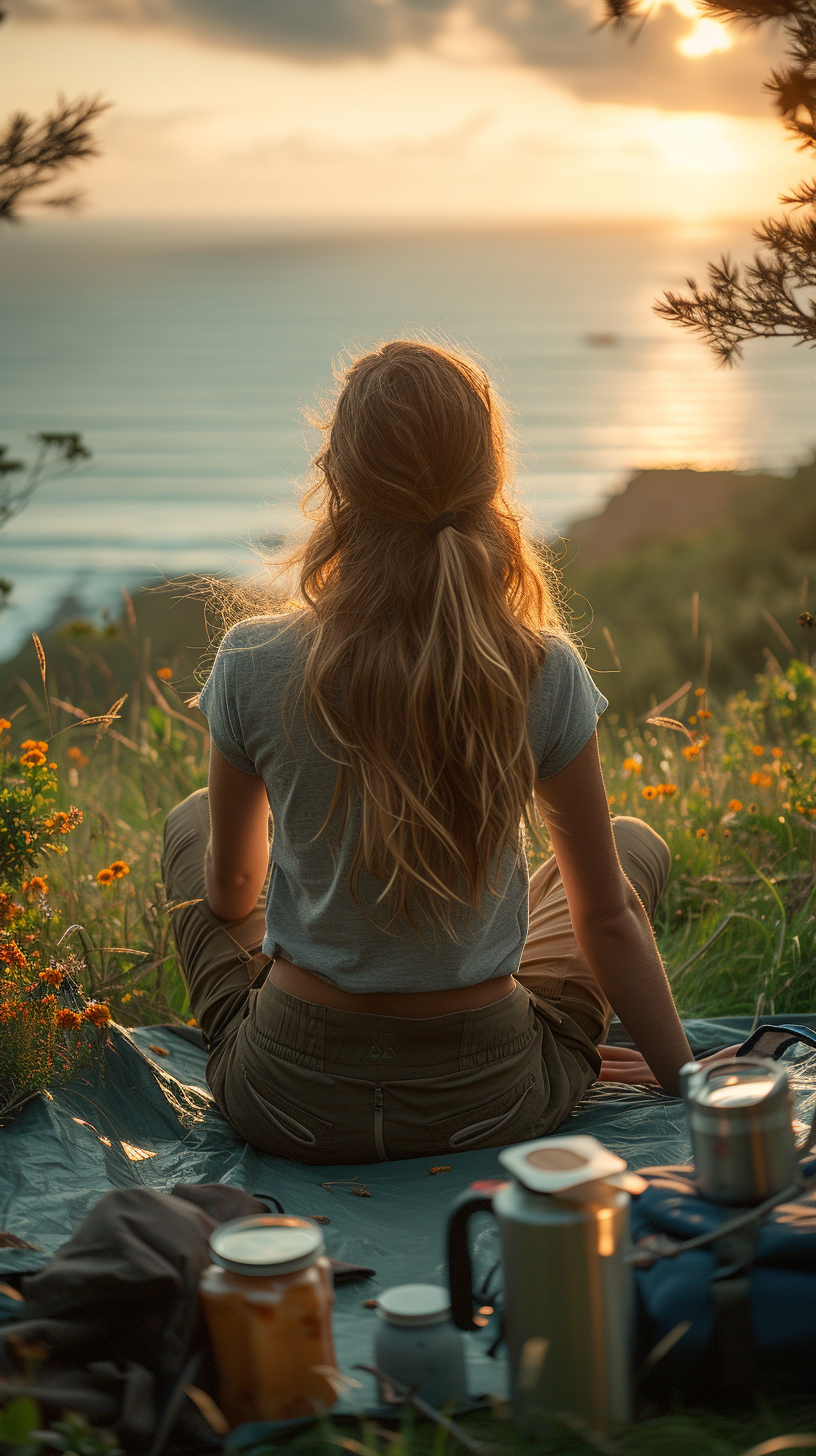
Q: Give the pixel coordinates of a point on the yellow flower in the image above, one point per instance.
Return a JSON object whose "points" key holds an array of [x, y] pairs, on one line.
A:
{"points": [[735, 805], [119, 868], [34, 758], [631, 765], [700, 834], [649, 792], [127, 997], [758, 751], [165, 673], [105, 877]]}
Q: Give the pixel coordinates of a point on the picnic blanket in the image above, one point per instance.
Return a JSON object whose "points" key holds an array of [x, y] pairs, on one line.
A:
{"points": [[146, 1119]]}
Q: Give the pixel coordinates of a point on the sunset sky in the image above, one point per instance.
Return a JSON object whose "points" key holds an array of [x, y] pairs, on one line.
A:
{"points": [[367, 111]]}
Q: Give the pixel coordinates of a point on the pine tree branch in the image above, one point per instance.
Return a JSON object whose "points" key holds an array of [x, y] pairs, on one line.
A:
{"points": [[33, 153]]}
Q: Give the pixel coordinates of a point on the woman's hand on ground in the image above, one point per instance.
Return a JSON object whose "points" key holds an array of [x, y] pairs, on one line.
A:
{"points": [[624, 1064]]}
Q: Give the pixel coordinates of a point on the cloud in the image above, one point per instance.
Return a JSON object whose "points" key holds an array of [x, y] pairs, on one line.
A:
{"points": [[554, 36]]}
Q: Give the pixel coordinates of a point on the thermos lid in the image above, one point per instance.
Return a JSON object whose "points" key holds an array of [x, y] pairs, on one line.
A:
{"points": [[266, 1243], [742, 1082], [414, 1304], [552, 1165]]}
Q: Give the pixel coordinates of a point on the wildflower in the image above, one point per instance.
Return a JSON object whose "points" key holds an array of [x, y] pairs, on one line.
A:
{"points": [[753, 808], [127, 997], [691, 751], [69, 1020], [735, 805], [693, 719], [631, 765], [37, 885], [34, 743], [51, 976], [8, 1010], [49, 1000], [777, 753], [105, 877], [77, 756], [758, 751], [806, 619], [191, 1021], [33, 759], [11, 955], [726, 834], [667, 791], [165, 673], [119, 869], [611, 799], [63, 822], [649, 792], [9, 911], [703, 713], [4, 725], [97, 1013], [699, 692], [700, 834]]}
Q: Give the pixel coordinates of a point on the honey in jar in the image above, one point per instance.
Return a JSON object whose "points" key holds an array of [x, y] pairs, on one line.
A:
{"points": [[267, 1299]]}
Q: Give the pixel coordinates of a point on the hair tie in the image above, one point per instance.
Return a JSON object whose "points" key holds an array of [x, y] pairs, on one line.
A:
{"points": [[445, 518]]}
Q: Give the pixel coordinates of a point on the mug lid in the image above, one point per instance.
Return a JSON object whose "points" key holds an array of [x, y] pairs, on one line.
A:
{"points": [[552, 1165], [266, 1243], [414, 1304]]}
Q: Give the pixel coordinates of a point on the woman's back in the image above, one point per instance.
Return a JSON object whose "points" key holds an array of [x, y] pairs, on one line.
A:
{"points": [[254, 701]]}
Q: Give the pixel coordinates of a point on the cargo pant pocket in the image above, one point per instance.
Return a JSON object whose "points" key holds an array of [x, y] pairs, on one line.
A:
{"points": [[511, 1117], [275, 1125]]}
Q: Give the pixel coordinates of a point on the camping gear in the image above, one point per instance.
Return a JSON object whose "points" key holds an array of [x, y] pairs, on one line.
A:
{"points": [[417, 1344], [568, 1289], [726, 1298], [740, 1115], [267, 1299]]}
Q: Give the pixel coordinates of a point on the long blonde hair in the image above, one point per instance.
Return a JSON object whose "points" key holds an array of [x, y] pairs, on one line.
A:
{"points": [[422, 645]]}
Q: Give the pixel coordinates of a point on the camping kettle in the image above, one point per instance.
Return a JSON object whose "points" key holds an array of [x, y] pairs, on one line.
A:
{"points": [[740, 1115], [568, 1292]]}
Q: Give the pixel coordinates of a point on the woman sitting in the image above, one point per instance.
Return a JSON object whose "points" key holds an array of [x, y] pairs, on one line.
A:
{"points": [[385, 980]]}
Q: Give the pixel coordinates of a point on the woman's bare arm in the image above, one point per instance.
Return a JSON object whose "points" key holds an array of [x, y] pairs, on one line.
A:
{"points": [[238, 851], [610, 924]]}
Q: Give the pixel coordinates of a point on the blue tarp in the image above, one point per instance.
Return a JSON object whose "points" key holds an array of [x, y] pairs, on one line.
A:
{"points": [[147, 1119]]}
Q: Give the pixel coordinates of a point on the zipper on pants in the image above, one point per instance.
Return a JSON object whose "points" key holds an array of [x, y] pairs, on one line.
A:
{"points": [[378, 1125]]}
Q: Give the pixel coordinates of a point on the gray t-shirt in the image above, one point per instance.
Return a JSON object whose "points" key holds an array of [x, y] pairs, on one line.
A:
{"points": [[254, 702]]}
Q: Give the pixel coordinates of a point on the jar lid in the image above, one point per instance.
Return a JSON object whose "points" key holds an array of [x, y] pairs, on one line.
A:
{"points": [[266, 1243], [414, 1304]]}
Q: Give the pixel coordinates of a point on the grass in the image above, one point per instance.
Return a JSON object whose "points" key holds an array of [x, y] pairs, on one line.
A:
{"points": [[730, 783]]}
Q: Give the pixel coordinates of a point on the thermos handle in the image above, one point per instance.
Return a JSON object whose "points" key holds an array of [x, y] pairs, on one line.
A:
{"points": [[460, 1271]]}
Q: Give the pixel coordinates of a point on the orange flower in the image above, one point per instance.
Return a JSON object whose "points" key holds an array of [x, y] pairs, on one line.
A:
{"points": [[8, 1010], [38, 743], [9, 910], [649, 792], [105, 877], [692, 750], [753, 808], [760, 780], [119, 868], [37, 885], [631, 765], [11, 955], [700, 834], [63, 823], [69, 1020], [692, 720], [777, 753], [703, 713], [4, 724], [33, 759], [165, 673], [52, 976], [668, 791], [735, 805], [49, 1000], [758, 751], [726, 833], [79, 758], [97, 1013], [699, 692]]}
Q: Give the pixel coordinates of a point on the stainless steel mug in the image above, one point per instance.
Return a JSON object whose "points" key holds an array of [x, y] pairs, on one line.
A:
{"points": [[740, 1115], [568, 1292]]}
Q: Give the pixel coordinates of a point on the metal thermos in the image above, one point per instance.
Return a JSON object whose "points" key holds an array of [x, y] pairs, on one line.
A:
{"points": [[740, 1115], [568, 1291]]}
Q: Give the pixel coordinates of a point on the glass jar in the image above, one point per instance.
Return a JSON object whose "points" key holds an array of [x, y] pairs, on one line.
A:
{"points": [[267, 1299], [417, 1343]]}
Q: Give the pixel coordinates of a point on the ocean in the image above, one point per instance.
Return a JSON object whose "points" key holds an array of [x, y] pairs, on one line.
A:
{"points": [[186, 357]]}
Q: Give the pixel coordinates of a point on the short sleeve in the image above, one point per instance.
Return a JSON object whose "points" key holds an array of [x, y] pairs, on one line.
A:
{"points": [[567, 709], [218, 701]]}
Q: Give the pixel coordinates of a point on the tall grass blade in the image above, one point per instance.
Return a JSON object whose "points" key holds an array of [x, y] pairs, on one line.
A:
{"points": [[672, 723], [40, 651]]}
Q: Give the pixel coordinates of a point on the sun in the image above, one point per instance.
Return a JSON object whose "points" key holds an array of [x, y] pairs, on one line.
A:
{"points": [[705, 38]]}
